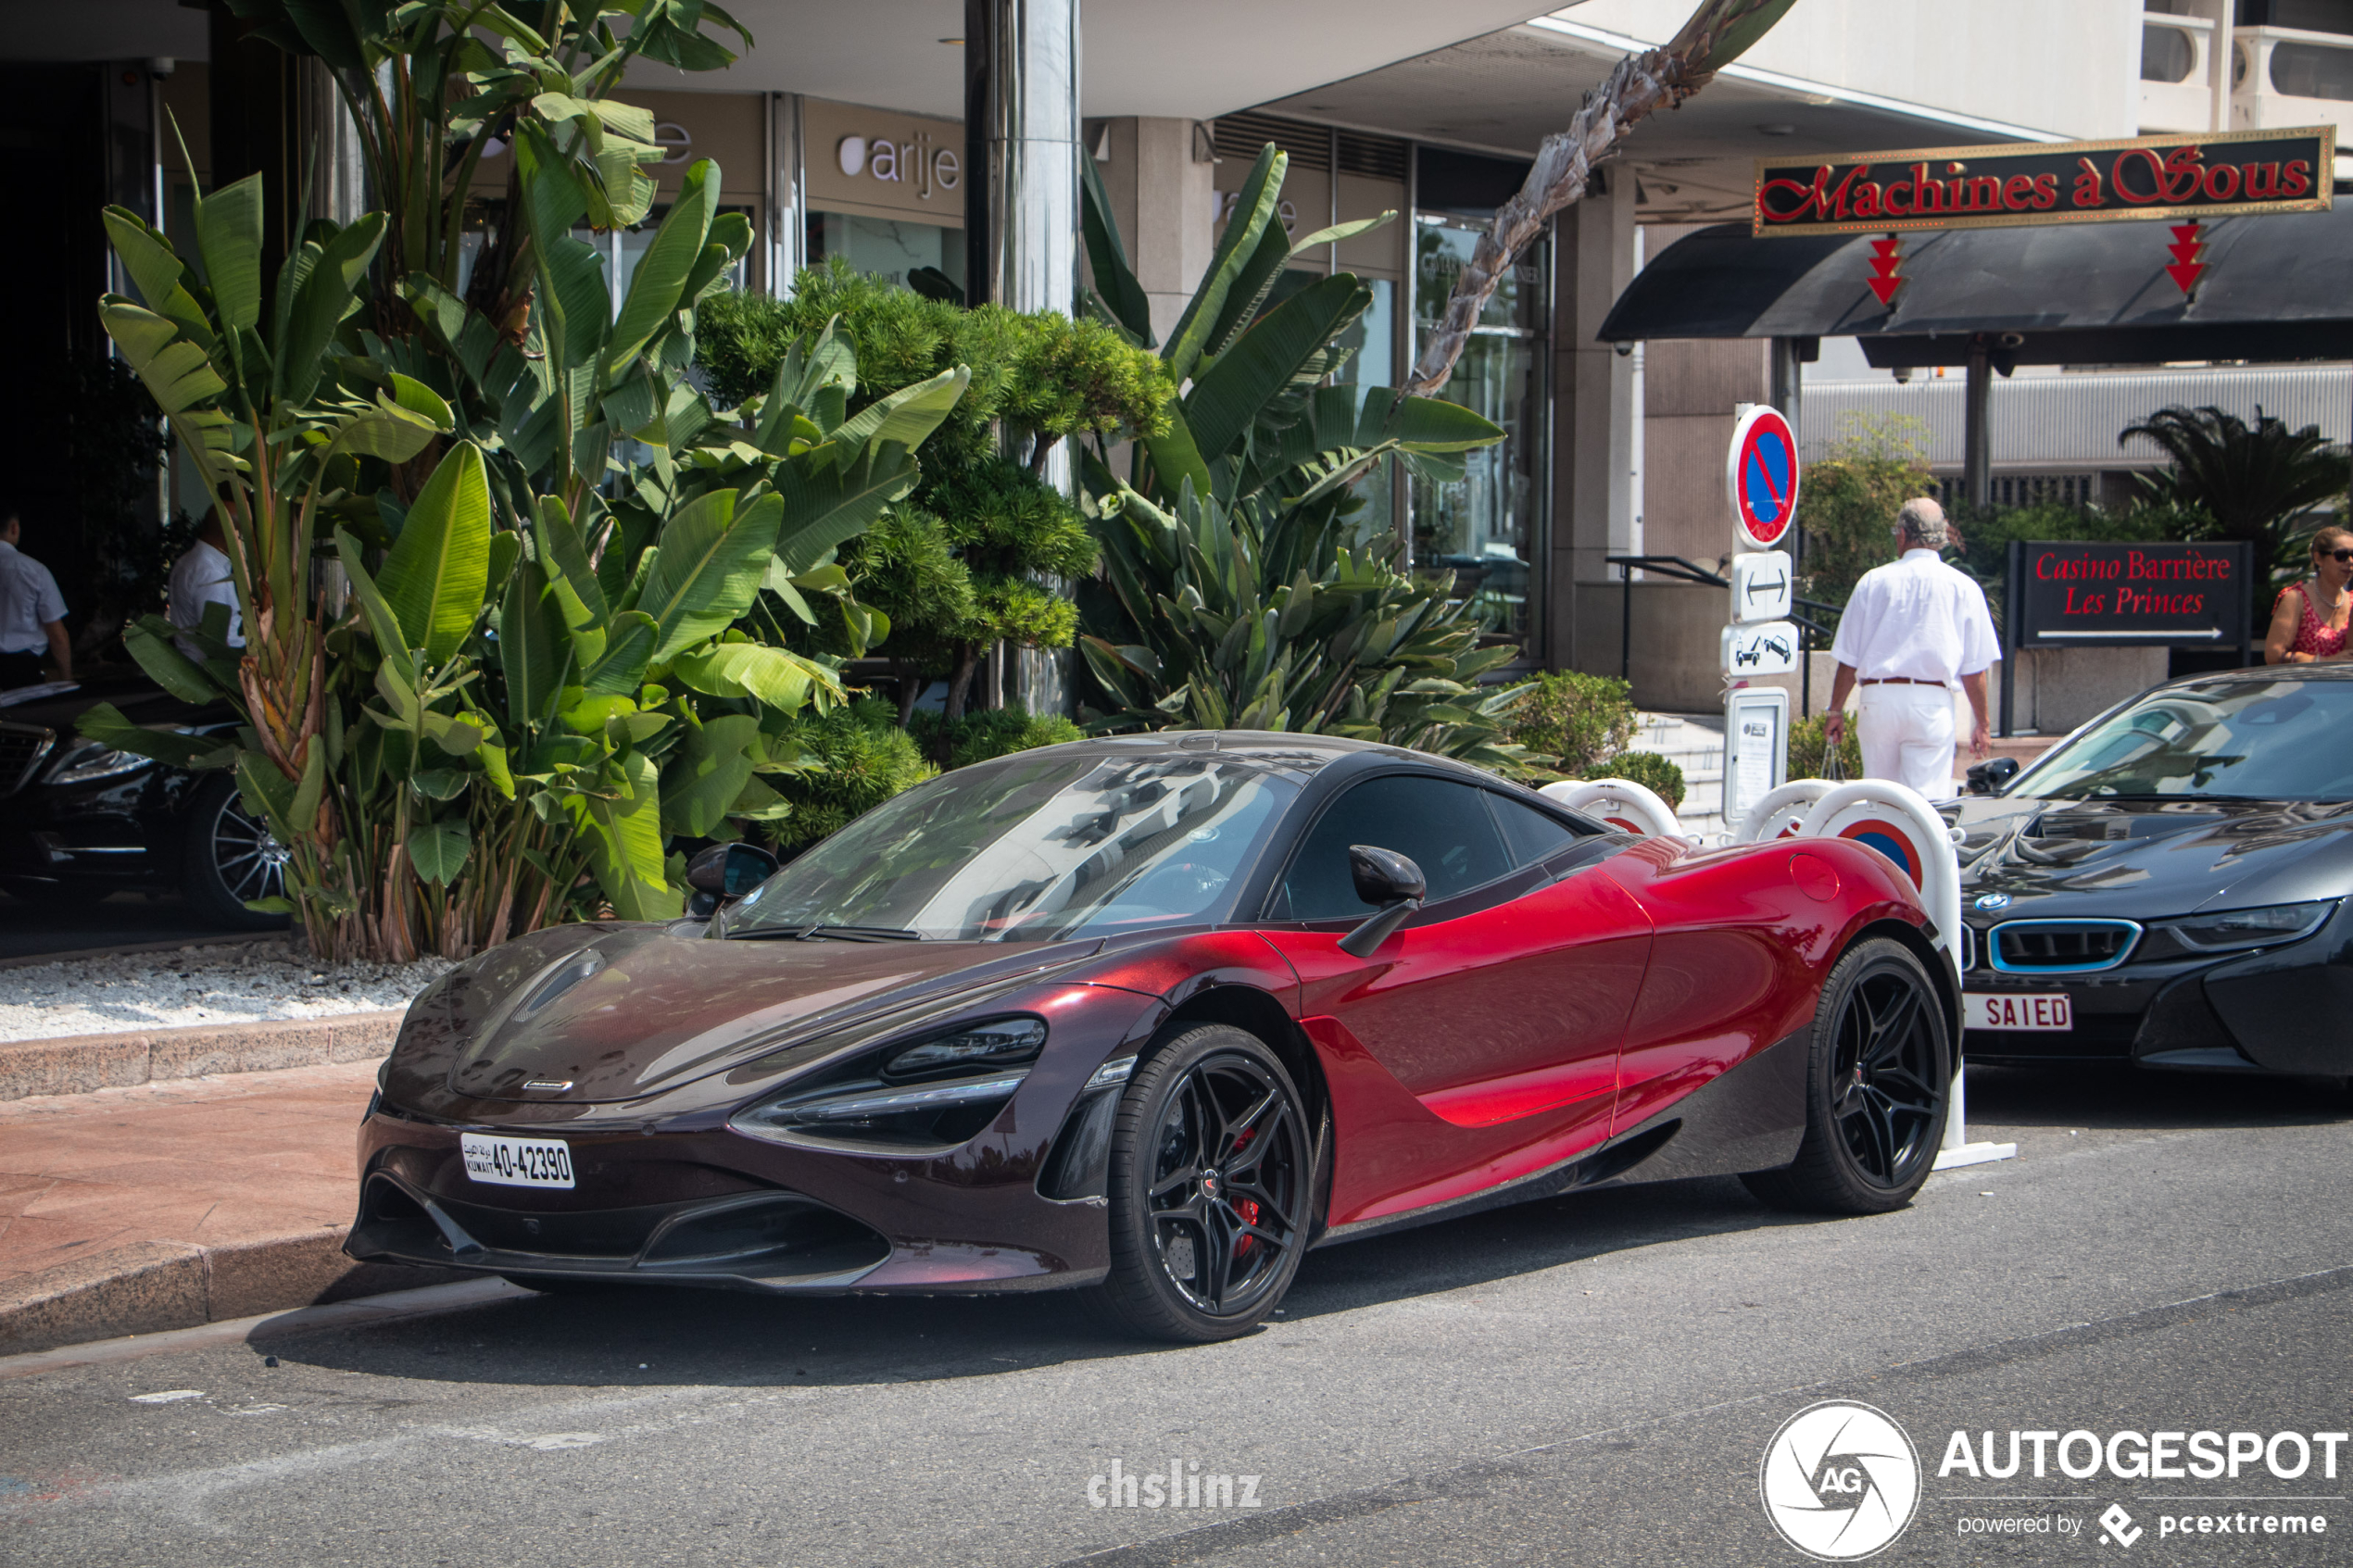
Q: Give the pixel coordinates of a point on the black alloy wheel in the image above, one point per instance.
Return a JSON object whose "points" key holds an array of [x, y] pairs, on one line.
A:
{"points": [[1877, 1079], [1210, 1188], [228, 858]]}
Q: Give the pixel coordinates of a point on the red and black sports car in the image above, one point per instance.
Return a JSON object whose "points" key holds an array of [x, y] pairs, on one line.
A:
{"points": [[1155, 1015]]}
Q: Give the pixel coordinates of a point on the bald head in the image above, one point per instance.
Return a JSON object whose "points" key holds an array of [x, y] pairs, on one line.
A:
{"points": [[1921, 522]]}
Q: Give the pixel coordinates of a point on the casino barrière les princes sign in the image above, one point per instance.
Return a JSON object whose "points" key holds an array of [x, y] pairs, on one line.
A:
{"points": [[2073, 593], [2161, 177]]}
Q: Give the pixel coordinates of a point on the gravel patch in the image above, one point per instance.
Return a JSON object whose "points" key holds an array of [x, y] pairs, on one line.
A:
{"points": [[239, 984]]}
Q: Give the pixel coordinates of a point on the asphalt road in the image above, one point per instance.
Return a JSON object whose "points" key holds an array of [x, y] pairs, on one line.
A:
{"points": [[1589, 1380]]}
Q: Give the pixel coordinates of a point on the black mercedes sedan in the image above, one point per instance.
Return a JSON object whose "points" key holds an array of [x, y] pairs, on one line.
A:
{"points": [[2173, 885], [79, 819]]}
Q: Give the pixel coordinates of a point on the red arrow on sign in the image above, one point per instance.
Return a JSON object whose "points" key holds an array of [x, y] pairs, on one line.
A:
{"points": [[1886, 256], [2185, 251]]}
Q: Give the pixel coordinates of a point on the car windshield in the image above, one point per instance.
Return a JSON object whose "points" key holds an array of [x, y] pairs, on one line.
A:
{"points": [[1038, 847], [2258, 740]]}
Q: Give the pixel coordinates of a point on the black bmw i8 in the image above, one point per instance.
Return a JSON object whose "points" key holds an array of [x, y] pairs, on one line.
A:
{"points": [[2173, 885]]}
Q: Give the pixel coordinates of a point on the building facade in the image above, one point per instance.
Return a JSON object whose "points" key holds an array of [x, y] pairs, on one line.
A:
{"points": [[845, 134]]}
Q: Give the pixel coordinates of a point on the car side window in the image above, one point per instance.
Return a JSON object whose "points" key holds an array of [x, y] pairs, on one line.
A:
{"points": [[1444, 826], [1529, 833]]}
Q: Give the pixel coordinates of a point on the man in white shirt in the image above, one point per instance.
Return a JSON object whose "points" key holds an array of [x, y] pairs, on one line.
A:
{"points": [[1911, 629], [200, 578], [32, 614]]}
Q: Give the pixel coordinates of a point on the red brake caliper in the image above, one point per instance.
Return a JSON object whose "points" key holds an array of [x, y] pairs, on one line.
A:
{"points": [[1247, 1207]]}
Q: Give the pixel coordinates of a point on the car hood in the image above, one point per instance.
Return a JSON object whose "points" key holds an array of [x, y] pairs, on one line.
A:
{"points": [[617, 1012], [2144, 859], [139, 700]]}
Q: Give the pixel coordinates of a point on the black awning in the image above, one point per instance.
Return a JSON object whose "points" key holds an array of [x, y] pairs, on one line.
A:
{"points": [[2277, 287]]}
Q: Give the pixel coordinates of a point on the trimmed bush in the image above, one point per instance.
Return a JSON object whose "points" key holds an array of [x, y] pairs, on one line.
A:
{"points": [[990, 731], [1569, 721], [1648, 768], [864, 759], [1806, 747]]}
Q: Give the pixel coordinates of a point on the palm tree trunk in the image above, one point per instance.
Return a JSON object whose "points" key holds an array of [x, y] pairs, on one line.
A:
{"points": [[1640, 85]]}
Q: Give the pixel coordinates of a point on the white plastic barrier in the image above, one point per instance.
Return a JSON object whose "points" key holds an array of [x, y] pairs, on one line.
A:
{"points": [[1779, 813], [1621, 803], [1902, 825]]}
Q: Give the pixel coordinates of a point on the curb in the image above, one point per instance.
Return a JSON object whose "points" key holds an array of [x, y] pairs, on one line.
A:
{"points": [[34, 961], [155, 1285], [77, 1064]]}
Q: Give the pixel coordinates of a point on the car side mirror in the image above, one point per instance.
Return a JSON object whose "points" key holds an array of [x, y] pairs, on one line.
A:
{"points": [[724, 873], [1390, 880], [1989, 776]]}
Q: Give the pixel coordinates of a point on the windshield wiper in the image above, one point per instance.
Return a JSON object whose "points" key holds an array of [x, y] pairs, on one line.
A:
{"points": [[832, 933]]}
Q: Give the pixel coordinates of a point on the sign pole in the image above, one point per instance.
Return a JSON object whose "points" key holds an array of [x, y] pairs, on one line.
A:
{"points": [[1760, 486], [2010, 586]]}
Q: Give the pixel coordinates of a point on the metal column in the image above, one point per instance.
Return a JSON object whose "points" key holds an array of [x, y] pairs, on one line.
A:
{"points": [[1976, 443], [1022, 147], [1022, 152]]}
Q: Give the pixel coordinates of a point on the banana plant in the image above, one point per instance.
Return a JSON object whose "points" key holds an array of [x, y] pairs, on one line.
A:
{"points": [[1238, 633], [543, 671], [1237, 596], [1255, 424], [434, 86]]}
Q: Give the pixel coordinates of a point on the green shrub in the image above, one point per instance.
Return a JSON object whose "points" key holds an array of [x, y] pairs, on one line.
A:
{"points": [[865, 759], [990, 731], [1985, 534], [1806, 745], [1850, 498], [1648, 768], [1568, 720]]}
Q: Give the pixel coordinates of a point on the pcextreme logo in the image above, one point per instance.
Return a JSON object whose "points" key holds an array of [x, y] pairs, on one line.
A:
{"points": [[1840, 1480]]}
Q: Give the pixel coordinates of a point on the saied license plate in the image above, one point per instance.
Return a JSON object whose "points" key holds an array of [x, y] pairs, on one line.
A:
{"points": [[2048, 1012], [516, 1162]]}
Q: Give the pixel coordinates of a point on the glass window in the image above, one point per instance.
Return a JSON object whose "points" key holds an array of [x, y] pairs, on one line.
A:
{"points": [[1442, 826], [2260, 740], [1487, 526], [887, 246], [1529, 833], [1044, 847]]}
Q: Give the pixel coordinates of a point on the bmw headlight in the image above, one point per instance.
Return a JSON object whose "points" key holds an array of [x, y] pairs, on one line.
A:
{"points": [[92, 763], [2225, 930], [932, 1092]]}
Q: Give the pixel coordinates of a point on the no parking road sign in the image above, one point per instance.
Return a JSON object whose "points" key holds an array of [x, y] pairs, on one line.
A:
{"points": [[1760, 478]]}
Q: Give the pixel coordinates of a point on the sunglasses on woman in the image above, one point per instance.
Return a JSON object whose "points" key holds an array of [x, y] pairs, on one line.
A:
{"points": [[2342, 556]]}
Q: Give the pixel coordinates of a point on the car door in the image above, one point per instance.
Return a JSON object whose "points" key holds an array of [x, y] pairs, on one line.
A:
{"points": [[1506, 997]]}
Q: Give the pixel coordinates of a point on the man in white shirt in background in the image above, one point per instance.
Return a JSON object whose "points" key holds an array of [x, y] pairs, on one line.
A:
{"points": [[32, 614], [1911, 629], [199, 578]]}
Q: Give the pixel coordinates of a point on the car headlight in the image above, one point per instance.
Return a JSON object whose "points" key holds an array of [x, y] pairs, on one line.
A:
{"points": [[1000, 1042], [92, 763], [2226, 929], [930, 1093]]}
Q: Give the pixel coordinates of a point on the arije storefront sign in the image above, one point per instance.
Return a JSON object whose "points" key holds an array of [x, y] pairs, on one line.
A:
{"points": [[2149, 177], [884, 162]]}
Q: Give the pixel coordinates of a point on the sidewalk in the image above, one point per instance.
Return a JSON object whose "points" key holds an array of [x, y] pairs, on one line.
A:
{"points": [[165, 1205]]}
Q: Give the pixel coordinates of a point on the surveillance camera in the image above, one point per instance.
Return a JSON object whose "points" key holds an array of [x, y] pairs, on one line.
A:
{"points": [[162, 65], [1624, 349]]}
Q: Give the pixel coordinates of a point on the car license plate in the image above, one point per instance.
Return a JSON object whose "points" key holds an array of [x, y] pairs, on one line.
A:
{"points": [[516, 1162], [2048, 1012]]}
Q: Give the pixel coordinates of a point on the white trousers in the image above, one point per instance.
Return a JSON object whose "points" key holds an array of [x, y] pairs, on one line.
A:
{"points": [[1906, 736]]}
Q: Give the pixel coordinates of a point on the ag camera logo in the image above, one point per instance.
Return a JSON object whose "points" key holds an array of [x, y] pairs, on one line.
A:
{"points": [[1840, 1480]]}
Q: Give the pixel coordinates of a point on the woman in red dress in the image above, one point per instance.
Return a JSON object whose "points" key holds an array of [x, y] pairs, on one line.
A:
{"points": [[2309, 622]]}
